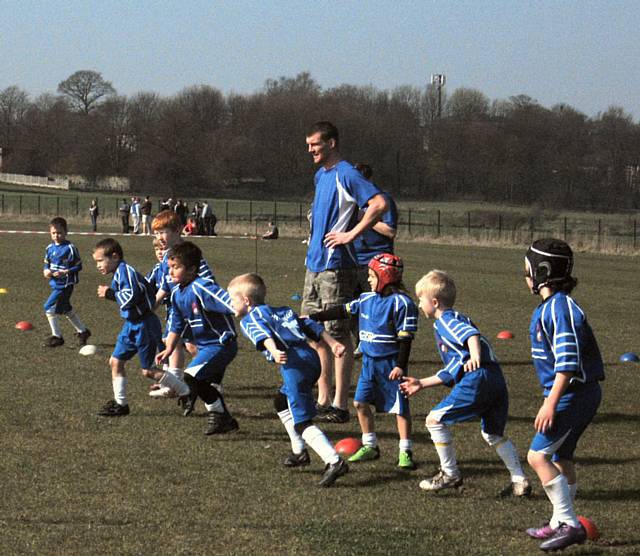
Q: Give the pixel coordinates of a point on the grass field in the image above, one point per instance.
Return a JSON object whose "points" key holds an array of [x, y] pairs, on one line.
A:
{"points": [[152, 483]]}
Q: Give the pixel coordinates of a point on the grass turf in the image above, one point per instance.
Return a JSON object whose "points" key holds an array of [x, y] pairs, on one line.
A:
{"points": [[153, 483]]}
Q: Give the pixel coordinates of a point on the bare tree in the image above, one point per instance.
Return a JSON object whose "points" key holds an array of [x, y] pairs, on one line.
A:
{"points": [[85, 88]]}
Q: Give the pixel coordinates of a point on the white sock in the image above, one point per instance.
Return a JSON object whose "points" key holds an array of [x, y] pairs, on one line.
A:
{"points": [[173, 382], [573, 489], [558, 493], [405, 444], [369, 439], [217, 406], [297, 443], [54, 323], [320, 444], [443, 442], [508, 454], [120, 389], [75, 321], [175, 371]]}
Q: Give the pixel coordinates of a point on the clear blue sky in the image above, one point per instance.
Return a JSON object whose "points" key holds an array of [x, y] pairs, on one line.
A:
{"points": [[583, 53]]}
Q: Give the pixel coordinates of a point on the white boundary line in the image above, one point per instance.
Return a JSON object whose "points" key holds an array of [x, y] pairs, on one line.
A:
{"points": [[118, 234]]}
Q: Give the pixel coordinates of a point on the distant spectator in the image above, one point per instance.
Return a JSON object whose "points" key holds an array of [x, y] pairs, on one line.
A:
{"points": [[94, 212], [124, 210], [135, 214], [181, 210], [272, 232], [145, 210], [190, 228], [164, 205], [196, 214], [209, 219]]}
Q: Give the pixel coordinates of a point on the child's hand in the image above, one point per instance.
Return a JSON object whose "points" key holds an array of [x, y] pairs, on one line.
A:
{"points": [[102, 291], [338, 349], [162, 357], [472, 364], [544, 418], [48, 273], [409, 386], [396, 373], [279, 356]]}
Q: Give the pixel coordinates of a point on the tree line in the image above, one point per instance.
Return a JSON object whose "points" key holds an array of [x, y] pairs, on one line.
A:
{"points": [[421, 144]]}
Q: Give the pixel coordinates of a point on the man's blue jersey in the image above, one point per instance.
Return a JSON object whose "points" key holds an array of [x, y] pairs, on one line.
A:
{"points": [[339, 192], [288, 331], [63, 256], [370, 243], [452, 330], [206, 308], [133, 293], [165, 284], [384, 320], [562, 341]]}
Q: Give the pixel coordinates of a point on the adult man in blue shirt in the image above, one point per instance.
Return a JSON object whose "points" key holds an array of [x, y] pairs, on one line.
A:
{"points": [[340, 191]]}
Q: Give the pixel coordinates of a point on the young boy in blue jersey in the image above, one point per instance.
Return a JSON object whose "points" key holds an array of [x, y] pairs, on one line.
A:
{"points": [[569, 366], [479, 389], [156, 279], [283, 337], [388, 320], [206, 308], [167, 227], [61, 267], [141, 332]]}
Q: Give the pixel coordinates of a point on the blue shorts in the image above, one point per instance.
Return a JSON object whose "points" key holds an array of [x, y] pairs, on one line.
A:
{"points": [[59, 302], [211, 362], [299, 376], [480, 394], [575, 411], [143, 337], [374, 386]]}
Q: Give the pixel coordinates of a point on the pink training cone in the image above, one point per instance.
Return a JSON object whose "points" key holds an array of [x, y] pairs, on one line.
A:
{"points": [[505, 335]]}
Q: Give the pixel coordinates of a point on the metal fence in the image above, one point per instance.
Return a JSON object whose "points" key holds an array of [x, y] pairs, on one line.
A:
{"points": [[610, 231]]}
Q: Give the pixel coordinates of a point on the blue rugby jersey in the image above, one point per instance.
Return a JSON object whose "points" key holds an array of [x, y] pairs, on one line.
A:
{"points": [[383, 320], [452, 330], [133, 293], [562, 341], [156, 278], [206, 308], [371, 243], [204, 271], [283, 325], [339, 192], [63, 256]]}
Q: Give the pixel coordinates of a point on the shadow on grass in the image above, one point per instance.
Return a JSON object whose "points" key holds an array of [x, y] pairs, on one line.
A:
{"points": [[616, 418], [624, 494], [594, 460]]}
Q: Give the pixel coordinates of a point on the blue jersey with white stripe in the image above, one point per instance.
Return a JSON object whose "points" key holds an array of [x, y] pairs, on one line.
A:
{"points": [[206, 308], [284, 327], [156, 279], [133, 293], [562, 341], [165, 284], [452, 330], [63, 256], [383, 321], [370, 243], [339, 191]]}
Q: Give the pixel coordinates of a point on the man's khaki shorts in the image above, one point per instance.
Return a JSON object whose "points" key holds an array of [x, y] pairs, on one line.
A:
{"points": [[326, 289]]}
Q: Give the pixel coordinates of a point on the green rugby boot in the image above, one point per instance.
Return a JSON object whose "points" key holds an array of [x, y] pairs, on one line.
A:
{"points": [[366, 453]]}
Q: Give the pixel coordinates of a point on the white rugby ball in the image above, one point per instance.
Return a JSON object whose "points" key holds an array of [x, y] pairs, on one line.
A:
{"points": [[89, 349]]}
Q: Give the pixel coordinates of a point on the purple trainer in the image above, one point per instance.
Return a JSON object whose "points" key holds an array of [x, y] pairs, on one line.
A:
{"points": [[565, 536], [543, 532]]}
